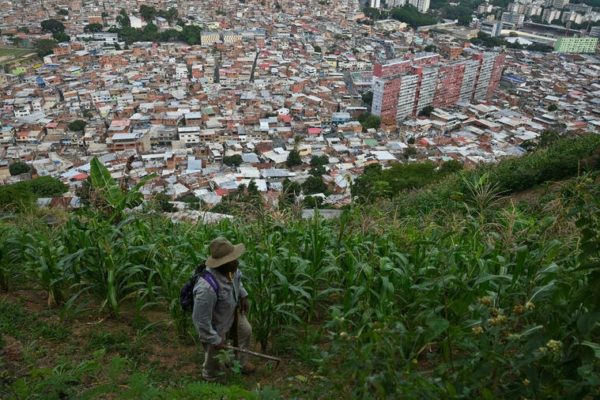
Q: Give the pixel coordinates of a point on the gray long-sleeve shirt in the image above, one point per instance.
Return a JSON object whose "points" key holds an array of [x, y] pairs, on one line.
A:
{"points": [[213, 318]]}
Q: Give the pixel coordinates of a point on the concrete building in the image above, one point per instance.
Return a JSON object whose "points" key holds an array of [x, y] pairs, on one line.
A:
{"points": [[572, 16], [576, 45], [484, 8], [516, 8], [512, 20], [558, 4], [402, 88], [208, 38], [550, 15], [374, 3], [492, 28], [533, 10], [421, 5]]}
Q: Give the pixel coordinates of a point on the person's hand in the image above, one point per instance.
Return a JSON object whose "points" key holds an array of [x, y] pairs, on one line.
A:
{"points": [[244, 305], [220, 346]]}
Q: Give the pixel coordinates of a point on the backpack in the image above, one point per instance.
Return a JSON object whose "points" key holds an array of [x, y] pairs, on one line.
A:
{"points": [[186, 295]]}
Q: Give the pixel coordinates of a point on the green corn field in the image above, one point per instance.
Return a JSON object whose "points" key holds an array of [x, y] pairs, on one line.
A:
{"points": [[459, 290]]}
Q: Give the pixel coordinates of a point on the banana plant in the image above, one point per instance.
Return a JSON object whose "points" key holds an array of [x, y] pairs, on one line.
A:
{"points": [[112, 198]]}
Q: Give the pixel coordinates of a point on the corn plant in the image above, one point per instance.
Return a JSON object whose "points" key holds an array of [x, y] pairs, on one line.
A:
{"points": [[12, 241], [106, 270], [50, 266]]}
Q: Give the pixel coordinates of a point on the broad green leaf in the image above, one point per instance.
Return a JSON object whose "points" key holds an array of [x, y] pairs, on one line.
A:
{"points": [[594, 346]]}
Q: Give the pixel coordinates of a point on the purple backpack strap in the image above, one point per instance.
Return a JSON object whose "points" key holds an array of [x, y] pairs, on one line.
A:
{"points": [[208, 277]]}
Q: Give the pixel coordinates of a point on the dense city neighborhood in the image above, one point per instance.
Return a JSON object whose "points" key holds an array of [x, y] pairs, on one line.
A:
{"points": [[257, 92]]}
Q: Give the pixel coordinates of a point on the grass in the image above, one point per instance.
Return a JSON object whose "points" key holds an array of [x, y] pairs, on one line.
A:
{"points": [[13, 54], [40, 357]]}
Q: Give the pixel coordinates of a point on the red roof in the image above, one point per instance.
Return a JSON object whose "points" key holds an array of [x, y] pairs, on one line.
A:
{"points": [[80, 177], [314, 131]]}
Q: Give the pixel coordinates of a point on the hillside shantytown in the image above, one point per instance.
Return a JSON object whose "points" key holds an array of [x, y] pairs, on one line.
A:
{"points": [[214, 95]]}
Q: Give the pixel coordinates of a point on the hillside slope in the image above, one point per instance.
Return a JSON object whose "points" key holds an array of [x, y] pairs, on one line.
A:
{"points": [[462, 289]]}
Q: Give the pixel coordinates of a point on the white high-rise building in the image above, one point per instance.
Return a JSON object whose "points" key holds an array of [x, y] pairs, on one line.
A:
{"points": [[550, 15], [512, 19], [374, 3], [421, 5]]}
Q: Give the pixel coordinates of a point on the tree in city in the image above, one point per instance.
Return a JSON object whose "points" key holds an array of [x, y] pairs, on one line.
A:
{"points": [[293, 159], [312, 201], [317, 48], [192, 201], [93, 28], [77, 126], [61, 37], [16, 197], [150, 32], [367, 97], [147, 12], [233, 161], [318, 165], [375, 13], [162, 202], [16, 41], [317, 171], [369, 121], [483, 39], [191, 34], [450, 167], [548, 137], [168, 35], [465, 19], [47, 186], [412, 16], [313, 185], [543, 48], [18, 168], [252, 195], [170, 15], [426, 111], [53, 26], [316, 161], [23, 29], [45, 46], [409, 152], [123, 19], [63, 12], [552, 107]]}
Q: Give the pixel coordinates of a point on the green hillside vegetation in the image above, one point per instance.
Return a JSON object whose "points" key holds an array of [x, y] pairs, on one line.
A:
{"points": [[12, 55], [21, 196], [466, 284]]}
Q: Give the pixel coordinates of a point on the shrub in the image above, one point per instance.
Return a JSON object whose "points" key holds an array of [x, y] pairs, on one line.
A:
{"points": [[77, 126], [46, 186], [19, 168]]}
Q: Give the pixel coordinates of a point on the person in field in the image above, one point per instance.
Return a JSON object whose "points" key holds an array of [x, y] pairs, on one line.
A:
{"points": [[221, 305]]}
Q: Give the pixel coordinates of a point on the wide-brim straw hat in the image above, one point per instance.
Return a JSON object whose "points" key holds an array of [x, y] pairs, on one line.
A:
{"points": [[222, 251]]}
